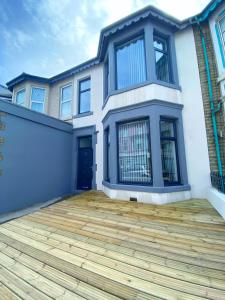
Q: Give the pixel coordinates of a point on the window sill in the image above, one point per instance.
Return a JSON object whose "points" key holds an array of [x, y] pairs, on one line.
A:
{"points": [[147, 189], [136, 86], [89, 113]]}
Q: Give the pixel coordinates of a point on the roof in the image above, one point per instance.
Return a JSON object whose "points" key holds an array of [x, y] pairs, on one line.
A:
{"points": [[5, 94], [107, 32]]}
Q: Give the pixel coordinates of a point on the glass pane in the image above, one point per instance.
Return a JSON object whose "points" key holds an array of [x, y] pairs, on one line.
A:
{"points": [[66, 109], [160, 44], [169, 161], [85, 102], [224, 36], [222, 24], [38, 95], [162, 66], [134, 152], [37, 106], [85, 142], [20, 97], [85, 85], [67, 93], [130, 64], [167, 128], [107, 141]]}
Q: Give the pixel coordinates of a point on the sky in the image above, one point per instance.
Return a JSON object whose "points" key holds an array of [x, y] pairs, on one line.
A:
{"points": [[46, 37]]}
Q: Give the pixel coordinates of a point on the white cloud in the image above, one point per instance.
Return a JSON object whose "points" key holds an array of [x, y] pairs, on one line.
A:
{"points": [[65, 33], [16, 38]]}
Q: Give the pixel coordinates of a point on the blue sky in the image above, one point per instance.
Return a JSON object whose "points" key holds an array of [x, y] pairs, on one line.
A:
{"points": [[46, 37]]}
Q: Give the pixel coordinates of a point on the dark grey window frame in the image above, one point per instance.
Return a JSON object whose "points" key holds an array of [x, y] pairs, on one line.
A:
{"points": [[147, 29], [79, 93], [154, 110], [117, 144], [174, 139], [106, 152], [166, 38]]}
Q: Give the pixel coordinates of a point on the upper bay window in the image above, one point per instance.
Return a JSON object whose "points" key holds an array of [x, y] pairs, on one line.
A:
{"points": [[84, 96], [130, 63], [134, 152], [162, 59], [140, 58], [20, 97], [66, 101], [38, 99]]}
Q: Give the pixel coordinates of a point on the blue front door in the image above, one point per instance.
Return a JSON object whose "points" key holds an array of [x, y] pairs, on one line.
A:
{"points": [[85, 163]]}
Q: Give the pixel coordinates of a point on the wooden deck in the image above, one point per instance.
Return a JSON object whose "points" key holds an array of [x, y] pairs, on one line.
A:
{"points": [[91, 247]]}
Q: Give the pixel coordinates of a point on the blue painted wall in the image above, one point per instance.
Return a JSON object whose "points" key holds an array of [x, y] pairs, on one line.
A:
{"points": [[37, 158]]}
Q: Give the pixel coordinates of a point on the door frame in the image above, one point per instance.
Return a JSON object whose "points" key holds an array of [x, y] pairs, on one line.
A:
{"points": [[80, 165], [78, 133]]}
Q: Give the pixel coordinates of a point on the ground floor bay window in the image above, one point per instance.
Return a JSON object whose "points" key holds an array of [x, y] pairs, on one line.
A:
{"points": [[144, 148]]}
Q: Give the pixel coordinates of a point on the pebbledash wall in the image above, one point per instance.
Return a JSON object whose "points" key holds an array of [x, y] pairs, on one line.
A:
{"points": [[36, 157]]}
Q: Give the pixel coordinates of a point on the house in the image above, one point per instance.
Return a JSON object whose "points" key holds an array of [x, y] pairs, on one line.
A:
{"points": [[5, 94], [139, 109]]}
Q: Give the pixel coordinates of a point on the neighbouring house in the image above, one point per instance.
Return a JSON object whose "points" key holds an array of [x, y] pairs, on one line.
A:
{"points": [[5, 94], [140, 110]]}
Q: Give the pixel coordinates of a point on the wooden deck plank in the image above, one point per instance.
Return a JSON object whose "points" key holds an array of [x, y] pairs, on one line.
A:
{"points": [[98, 254], [92, 247]]}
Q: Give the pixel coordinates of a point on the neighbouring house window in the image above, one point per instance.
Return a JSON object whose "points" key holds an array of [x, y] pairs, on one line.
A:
{"points": [[107, 156], [66, 101], [20, 97], [84, 96], [162, 64], [37, 99], [134, 152], [130, 63], [169, 151], [222, 29]]}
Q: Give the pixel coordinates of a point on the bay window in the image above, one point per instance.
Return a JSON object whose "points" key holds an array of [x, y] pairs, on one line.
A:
{"points": [[66, 100], [20, 97], [169, 151], [38, 99], [134, 158], [130, 63]]}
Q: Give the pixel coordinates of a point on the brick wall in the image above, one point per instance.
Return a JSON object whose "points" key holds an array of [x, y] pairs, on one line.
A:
{"points": [[205, 94]]}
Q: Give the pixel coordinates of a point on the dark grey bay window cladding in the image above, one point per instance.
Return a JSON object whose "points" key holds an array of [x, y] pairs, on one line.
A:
{"points": [[144, 148], [142, 55]]}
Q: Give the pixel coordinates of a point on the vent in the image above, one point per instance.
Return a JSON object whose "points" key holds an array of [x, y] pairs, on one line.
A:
{"points": [[133, 199]]}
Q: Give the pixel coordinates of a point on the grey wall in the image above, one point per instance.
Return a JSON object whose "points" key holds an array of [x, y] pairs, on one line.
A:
{"points": [[37, 158]]}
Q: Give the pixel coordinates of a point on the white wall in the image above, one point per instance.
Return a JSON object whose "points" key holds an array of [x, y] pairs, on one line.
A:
{"points": [[96, 74], [142, 94], [193, 114]]}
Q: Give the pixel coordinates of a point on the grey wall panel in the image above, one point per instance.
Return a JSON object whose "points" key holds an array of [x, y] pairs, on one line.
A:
{"points": [[37, 156]]}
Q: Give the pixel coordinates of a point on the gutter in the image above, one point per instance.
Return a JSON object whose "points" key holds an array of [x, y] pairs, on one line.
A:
{"points": [[211, 99]]}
